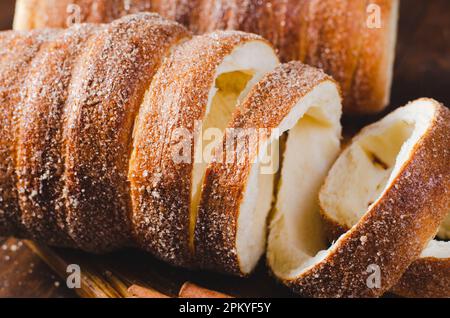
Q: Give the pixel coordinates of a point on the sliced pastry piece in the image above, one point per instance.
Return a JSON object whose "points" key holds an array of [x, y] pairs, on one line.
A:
{"points": [[303, 105], [40, 163], [109, 82], [429, 275], [193, 94], [388, 192], [17, 50]]}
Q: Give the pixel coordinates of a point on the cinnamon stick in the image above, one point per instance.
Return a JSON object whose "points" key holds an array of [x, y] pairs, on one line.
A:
{"points": [[142, 292], [190, 290]]}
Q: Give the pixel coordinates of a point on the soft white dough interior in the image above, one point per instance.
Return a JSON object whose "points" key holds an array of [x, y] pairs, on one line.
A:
{"points": [[234, 78], [437, 249], [311, 147], [362, 172], [251, 232], [366, 169]]}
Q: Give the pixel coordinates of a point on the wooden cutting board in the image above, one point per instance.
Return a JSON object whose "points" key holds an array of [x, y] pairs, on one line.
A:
{"points": [[112, 275], [422, 70]]}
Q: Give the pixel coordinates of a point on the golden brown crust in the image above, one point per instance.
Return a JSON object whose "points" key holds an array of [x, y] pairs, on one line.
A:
{"points": [[110, 80], [267, 104], [292, 45], [9, 206], [39, 157], [272, 19], [417, 200], [371, 85], [181, 11], [426, 277], [330, 24], [16, 53], [265, 20], [161, 187], [217, 15], [332, 35]]}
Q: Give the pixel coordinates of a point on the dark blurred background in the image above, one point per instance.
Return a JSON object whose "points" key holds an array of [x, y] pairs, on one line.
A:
{"points": [[6, 14]]}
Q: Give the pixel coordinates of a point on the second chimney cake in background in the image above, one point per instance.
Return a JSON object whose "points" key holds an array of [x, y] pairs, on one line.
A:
{"points": [[352, 40]]}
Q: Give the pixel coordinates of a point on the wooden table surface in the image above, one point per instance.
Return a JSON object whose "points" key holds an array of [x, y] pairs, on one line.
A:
{"points": [[422, 69], [24, 274]]}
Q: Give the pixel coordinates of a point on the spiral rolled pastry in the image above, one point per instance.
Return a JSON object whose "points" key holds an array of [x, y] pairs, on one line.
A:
{"points": [[16, 53], [105, 96], [206, 152], [78, 133]]}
